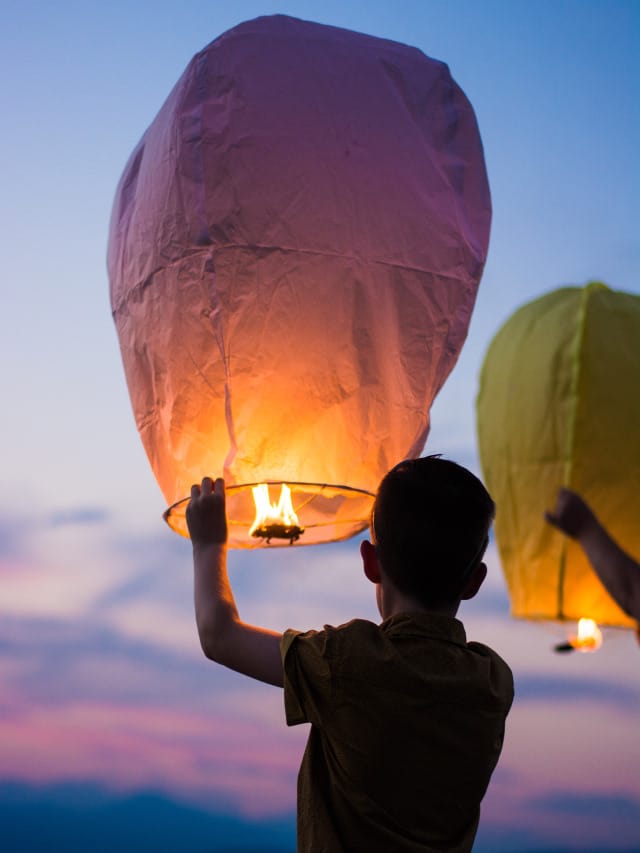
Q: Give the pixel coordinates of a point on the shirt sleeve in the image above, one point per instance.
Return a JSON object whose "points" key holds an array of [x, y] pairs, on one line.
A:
{"points": [[306, 660], [500, 677]]}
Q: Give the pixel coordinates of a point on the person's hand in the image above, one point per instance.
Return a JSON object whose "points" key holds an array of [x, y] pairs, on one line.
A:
{"points": [[206, 513], [571, 515]]}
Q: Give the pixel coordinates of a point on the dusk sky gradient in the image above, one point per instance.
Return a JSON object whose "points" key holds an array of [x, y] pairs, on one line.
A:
{"points": [[115, 732]]}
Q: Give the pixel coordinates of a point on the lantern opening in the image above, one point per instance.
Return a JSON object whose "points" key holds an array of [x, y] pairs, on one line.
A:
{"points": [[274, 521], [588, 639], [324, 512]]}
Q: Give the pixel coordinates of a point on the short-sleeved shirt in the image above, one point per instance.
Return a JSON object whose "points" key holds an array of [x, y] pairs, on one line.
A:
{"points": [[407, 723]]}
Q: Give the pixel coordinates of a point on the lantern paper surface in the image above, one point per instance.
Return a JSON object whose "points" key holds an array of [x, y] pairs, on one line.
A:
{"points": [[559, 405], [294, 253]]}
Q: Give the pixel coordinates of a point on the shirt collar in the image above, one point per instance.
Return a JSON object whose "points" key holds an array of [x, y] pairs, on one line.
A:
{"points": [[437, 626]]}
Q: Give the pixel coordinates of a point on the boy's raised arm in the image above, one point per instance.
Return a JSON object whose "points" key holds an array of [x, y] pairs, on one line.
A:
{"points": [[224, 637]]}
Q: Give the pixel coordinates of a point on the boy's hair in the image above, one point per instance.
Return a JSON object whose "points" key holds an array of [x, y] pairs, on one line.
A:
{"points": [[430, 525]]}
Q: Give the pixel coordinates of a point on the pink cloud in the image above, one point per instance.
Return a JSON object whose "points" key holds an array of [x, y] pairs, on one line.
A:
{"points": [[252, 768]]}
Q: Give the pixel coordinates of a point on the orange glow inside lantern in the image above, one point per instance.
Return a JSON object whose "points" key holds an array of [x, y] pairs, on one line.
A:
{"points": [[274, 521]]}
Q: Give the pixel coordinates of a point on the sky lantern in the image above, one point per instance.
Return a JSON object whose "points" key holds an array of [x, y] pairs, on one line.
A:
{"points": [[559, 405], [294, 253]]}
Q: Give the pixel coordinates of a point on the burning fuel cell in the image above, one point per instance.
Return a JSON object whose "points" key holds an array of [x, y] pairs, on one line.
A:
{"points": [[294, 253], [274, 521]]}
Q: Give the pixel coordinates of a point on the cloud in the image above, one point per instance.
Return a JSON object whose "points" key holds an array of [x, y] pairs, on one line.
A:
{"points": [[80, 817], [79, 516], [84, 562], [609, 806], [599, 820], [155, 563], [102, 677], [541, 687], [59, 661], [202, 754], [19, 529], [498, 839], [13, 538], [519, 814], [84, 701]]}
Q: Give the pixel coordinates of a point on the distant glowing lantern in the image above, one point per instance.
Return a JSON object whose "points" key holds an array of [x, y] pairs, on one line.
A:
{"points": [[294, 253], [559, 405]]}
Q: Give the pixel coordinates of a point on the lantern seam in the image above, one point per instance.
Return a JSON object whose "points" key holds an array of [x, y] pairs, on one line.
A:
{"points": [[573, 398]]}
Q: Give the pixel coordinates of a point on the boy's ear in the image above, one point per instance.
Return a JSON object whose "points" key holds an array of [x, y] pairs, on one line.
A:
{"points": [[370, 562], [474, 582]]}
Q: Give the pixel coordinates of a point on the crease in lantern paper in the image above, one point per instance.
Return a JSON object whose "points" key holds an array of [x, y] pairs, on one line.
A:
{"points": [[147, 281], [576, 364], [215, 318]]}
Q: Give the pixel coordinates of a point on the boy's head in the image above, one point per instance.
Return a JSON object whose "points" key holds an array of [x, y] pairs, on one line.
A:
{"points": [[430, 525]]}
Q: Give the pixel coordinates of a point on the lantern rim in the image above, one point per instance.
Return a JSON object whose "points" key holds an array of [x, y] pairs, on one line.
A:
{"points": [[328, 512]]}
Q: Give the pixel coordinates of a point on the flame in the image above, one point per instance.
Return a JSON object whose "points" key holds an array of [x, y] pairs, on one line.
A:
{"points": [[274, 520], [589, 636]]}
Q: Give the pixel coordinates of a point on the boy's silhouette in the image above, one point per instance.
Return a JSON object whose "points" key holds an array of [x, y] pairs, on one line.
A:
{"points": [[407, 718]]}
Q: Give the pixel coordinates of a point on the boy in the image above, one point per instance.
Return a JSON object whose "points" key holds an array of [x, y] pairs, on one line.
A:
{"points": [[407, 718]]}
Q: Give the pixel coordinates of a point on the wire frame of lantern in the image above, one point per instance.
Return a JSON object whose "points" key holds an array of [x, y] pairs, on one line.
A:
{"points": [[318, 513]]}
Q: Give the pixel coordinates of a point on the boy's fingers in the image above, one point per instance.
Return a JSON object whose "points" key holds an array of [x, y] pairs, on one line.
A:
{"points": [[208, 487]]}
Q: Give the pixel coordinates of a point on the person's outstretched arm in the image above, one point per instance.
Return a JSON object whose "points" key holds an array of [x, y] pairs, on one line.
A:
{"points": [[223, 636], [619, 573]]}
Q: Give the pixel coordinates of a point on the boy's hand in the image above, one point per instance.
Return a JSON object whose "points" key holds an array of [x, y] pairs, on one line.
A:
{"points": [[206, 513], [571, 514]]}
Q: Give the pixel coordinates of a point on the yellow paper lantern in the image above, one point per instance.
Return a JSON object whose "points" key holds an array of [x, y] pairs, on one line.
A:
{"points": [[294, 253], [559, 405]]}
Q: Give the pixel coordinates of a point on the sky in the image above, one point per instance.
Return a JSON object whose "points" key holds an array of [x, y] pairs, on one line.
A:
{"points": [[113, 726]]}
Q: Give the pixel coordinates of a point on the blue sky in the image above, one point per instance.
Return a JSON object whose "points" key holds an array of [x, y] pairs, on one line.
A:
{"points": [[104, 690]]}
